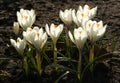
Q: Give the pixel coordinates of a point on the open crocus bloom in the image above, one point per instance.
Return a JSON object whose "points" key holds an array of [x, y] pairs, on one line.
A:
{"points": [[36, 37], [79, 37], [29, 35], [66, 16], [54, 31], [95, 30], [83, 14], [79, 18], [40, 38], [90, 12], [16, 27], [26, 18], [19, 45]]}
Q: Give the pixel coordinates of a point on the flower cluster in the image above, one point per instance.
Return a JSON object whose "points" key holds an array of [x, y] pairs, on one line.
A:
{"points": [[84, 29], [82, 18], [34, 36]]}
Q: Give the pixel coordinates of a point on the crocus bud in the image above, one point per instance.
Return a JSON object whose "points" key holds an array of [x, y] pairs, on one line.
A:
{"points": [[16, 27]]}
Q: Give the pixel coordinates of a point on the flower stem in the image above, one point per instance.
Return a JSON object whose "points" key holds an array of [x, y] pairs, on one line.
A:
{"points": [[55, 56], [68, 46], [67, 41], [25, 66], [91, 57], [38, 62], [79, 64]]}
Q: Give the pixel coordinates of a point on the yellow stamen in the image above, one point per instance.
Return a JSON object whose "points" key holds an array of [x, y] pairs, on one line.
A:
{"points": [[98, 25], [18, 39], [82, 15], [55, 26], [88, 7], [38, 34], [26, 17], [80, 31], [30, 30], [89, 25]]}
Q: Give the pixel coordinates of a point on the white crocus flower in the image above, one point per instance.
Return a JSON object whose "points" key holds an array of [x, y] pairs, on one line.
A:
{"points": [[79, 18], [26, 18], [29, 35], [35, 37], [66, 16], [83, 15], [54, 31], [79, 37], [90, 12], [40, 38], [16, 27], [19, 45], [95, 30]]}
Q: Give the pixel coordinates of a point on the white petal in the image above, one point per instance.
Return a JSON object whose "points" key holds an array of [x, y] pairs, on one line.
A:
{"points": [[47, 29], [41, 31], [86, 8], [52, 30], [19, 18], [44, 40], [74, 17], [102, 31], [24, 34], [33, 16], [71, 37], [61, 15], [76, 34], [22, 10], [13, 42], [32, 12], [24, 24], [80, 37], [22, 44], [66, 16], [80, 8], [92, 12], [33, 19], [58, 30], [36, 28]]}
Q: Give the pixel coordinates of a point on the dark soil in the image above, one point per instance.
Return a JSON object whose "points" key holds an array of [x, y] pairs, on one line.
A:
{"points": [[47, 11]]}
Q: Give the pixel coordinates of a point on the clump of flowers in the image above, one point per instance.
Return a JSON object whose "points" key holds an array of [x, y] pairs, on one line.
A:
{"points": [[31, 47]]}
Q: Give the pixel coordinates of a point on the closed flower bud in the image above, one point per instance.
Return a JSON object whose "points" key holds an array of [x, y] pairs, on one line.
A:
{"points": [[16, 27]]}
